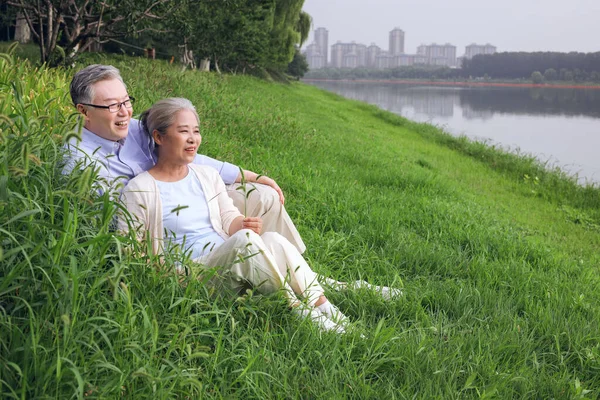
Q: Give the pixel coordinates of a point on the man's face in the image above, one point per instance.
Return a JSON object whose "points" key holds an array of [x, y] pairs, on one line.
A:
{"points": [[107, 125]]}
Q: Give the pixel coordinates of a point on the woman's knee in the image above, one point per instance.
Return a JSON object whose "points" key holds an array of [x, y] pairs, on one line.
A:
{"points": [[246, 237], [274, 238]]}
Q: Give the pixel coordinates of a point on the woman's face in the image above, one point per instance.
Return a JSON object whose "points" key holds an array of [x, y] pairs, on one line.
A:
{"points": [[181, 142]]}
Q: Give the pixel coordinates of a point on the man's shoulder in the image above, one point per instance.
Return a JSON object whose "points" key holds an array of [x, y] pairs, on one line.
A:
{"points": [[83, 144], [135, 128]]}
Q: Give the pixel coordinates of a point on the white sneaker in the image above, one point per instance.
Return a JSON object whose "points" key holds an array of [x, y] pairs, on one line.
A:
{"points": [[324, 323], [333, 313], [386, 292]]}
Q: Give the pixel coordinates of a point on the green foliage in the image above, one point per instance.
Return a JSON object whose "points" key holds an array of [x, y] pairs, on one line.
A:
{"points": [[233, 34], [550, 74], [284, 35], [62, 29], [298, 67], [537, 77], [303, 26], [499, 269], [29, 52], [240, 36], [520, 65]]}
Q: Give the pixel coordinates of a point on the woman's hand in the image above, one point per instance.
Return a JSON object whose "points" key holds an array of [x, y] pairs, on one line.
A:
{"points": [[252, 223]]}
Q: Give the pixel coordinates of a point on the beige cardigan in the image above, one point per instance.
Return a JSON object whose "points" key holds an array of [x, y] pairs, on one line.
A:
{"points": [[141, 197]]}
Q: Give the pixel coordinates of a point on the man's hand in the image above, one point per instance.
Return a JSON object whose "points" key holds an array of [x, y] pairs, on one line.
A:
{"points": [[252, 223], [265, 180], [262, 179]]}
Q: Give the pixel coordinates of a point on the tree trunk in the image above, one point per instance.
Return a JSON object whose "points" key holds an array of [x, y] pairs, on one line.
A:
{"points": [[22, 30], [186, 56], [217, 66], [204, 65]]}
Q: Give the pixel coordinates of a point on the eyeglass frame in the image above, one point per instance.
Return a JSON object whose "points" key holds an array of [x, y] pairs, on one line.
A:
{"points": [[131, 100]]}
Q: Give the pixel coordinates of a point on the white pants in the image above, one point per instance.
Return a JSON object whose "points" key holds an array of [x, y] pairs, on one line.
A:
{"points": [[268, 262], [264, 202]]}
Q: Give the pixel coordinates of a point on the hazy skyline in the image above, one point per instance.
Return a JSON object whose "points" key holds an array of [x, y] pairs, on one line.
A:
{"points": [[510, 25]]}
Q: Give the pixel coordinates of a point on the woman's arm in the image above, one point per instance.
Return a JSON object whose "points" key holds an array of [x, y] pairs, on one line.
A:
{"points": [[132, 202]]}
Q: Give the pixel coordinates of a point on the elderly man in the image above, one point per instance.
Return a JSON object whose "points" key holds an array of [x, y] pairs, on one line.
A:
{"points": [[113, 141]]}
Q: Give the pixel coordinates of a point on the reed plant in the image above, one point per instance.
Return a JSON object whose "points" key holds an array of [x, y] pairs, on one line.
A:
{"points": [[499, 272]]}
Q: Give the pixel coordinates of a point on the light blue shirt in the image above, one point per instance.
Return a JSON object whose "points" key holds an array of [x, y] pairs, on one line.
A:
{"points": [[120, 161], [186, 218]]}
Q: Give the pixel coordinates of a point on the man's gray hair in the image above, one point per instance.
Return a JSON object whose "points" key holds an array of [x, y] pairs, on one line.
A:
{"points": [[82, 85], [162, 114]]}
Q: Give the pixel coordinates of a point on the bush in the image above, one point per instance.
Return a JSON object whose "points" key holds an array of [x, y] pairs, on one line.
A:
{"points": [[537, 77]]}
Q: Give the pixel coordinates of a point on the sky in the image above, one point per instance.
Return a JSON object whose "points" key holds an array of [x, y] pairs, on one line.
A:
{"points": [[510, 25]]}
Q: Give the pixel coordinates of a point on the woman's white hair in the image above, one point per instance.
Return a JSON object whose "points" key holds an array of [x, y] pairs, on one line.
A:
{"points": [[162, 114]]}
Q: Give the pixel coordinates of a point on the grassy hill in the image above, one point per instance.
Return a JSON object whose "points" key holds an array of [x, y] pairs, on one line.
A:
{"points": [[497, 257]]}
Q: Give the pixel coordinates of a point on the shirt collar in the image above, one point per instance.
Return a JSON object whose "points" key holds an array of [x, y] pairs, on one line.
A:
{"points": [[105, 145]]}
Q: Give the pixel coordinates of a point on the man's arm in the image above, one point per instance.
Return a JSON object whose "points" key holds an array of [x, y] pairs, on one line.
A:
{"points": [[263, 179], [231, 174]]}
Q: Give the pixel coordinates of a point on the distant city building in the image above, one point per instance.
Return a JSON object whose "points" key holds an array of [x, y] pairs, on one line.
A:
{"points": [[348, 55], [396, 42], [383, 60], [356, 55], [322, 42], [475, 49], [404, 60], [438, 54], [372, 52], [316, 53], [314, 58]]}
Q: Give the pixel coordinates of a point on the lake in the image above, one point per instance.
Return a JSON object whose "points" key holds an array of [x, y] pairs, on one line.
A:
{"points": [[558, 126]]}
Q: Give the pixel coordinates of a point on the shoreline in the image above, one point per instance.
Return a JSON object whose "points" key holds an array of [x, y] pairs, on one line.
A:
{"points": [[459, 84]]}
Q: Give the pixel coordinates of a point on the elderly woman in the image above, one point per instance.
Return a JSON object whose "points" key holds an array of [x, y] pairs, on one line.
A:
{"points": [[179, 203]]}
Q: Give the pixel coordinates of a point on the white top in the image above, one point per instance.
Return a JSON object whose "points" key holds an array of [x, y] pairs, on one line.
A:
{"points": [[186, 217]]}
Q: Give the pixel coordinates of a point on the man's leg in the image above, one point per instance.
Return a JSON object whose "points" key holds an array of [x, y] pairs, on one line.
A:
{"points": [[264, 202]]}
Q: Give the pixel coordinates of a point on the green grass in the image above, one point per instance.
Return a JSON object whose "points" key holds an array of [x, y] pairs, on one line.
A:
{"points": [[25, 51], [499, 269]]}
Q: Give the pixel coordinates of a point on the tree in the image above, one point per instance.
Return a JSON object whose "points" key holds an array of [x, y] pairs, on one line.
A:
{"points": [[237, 35], [566, 75], [63, 28], [285, 33], [550, 74], [233, 34], [298, 67], [537, 77]]}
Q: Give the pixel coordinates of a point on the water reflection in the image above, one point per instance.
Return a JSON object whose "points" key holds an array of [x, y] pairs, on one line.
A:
{"points": [[476, 102], [533, 101], [559, 126]]}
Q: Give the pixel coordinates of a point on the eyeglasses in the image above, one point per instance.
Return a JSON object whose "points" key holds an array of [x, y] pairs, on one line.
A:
{"points": [[115, 107]]}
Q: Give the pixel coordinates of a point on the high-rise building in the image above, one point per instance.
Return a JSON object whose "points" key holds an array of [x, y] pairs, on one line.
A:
{"points": [[322, 42], [372, 52], [383, 60], [348, 55], [438, 54], [396, 42], [314, 58], [475, 49]]}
